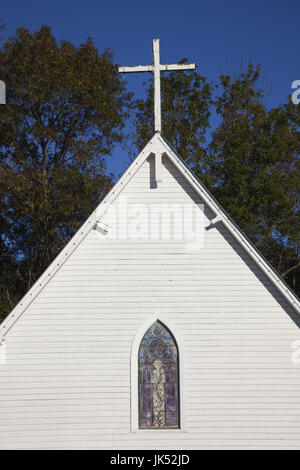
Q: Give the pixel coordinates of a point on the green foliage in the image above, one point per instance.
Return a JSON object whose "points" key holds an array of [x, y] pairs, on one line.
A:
{"points": [[256, 170], [250, 162], [66, 109]]}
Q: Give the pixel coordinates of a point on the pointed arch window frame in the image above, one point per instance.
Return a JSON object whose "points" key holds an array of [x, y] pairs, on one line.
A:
{"points": [[134, 382]]}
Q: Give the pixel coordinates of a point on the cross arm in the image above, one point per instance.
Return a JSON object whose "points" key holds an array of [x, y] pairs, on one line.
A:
{"points": [[137, 68], [177, 67]]}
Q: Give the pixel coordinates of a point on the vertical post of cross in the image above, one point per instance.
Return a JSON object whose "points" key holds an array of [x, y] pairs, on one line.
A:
{"points": [[2, 92], [157, 99]]}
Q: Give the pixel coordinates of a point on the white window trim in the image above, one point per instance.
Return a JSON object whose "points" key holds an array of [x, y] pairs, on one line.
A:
{"points": [[134, 386]]}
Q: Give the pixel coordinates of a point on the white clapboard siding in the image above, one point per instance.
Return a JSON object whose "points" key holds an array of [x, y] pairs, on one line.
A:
{"points": [[67, 380]]}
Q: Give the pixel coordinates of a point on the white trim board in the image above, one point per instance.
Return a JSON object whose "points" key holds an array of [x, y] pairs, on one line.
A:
{"points": [[156, 145]]}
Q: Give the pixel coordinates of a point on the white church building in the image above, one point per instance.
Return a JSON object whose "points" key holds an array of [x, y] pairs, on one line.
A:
{"points": [[159, 326]]}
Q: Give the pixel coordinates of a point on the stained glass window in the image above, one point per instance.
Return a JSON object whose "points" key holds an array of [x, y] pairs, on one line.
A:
{"points": [[158, 379]]}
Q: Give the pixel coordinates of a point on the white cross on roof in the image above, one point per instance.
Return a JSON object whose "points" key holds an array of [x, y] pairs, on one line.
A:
{"points": [[156, 68]]}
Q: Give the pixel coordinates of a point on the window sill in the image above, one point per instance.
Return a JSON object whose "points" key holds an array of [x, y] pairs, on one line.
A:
{"points": [[154, 430]]}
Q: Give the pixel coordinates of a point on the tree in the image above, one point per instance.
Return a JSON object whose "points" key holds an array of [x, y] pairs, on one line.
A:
{"points": [[250, 162], [66, 110], [256, 170]]}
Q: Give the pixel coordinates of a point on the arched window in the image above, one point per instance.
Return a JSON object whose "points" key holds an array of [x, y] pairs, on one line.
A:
{"points": [[158, 379]]}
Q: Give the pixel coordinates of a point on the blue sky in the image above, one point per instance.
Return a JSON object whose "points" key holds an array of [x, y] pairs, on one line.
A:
{"points": [[218, 35]]}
